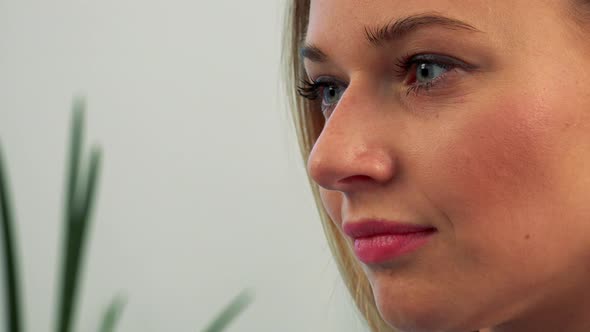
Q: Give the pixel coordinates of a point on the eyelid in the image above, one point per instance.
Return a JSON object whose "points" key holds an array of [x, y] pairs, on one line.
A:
{"points": [[326, 80], [440, 59]]}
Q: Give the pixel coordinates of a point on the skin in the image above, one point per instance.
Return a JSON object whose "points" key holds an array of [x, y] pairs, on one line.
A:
{"points": [[495, 158]]}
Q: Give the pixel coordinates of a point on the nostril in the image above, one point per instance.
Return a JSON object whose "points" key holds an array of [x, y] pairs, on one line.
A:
{"points": [[355, 178]]}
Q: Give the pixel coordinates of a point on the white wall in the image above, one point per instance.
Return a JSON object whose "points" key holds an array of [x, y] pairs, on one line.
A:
{"points": [[202, 192]]}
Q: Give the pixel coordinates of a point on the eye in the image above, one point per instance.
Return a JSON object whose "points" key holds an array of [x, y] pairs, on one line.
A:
{"points": [[329, 89], [427, 72], [422, 72], [331, 94]]}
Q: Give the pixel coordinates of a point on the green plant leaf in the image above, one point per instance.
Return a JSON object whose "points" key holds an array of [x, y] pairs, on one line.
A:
{"points": [[112, 314], [13, 305], [79, 198], [227, 315]]}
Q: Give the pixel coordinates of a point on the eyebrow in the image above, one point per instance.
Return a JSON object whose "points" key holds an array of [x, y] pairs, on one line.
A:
{"points": [[394, 30], [313, 53]]}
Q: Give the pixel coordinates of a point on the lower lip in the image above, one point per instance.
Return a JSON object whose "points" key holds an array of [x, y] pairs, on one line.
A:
{"points": [[382, 248]]}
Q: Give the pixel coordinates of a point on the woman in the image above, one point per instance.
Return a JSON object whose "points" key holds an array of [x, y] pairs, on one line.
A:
{"points": [[448, 144]]}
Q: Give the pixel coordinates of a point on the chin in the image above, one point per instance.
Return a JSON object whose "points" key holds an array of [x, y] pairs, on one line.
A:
{"points": [[407, 308]]}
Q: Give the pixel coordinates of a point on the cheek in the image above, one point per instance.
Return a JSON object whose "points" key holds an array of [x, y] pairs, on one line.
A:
{"points": [[499, 155], [508, 181], [504, 180], [497, 170]]}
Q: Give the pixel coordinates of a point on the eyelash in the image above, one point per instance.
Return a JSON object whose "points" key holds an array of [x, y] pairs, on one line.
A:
{"points": [[311, 89]]}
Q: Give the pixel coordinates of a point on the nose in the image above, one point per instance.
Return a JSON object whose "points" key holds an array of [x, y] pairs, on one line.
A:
{"points": [[354, 151]]}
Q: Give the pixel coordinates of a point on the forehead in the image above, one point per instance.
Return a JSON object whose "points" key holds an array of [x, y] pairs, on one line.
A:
{"points": [[347, 19]]}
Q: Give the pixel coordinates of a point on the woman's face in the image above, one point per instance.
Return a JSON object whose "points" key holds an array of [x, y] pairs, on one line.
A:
{"points": [[478, 128]]}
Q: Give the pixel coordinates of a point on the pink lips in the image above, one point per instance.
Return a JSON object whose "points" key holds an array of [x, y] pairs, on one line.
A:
{"points": [[377, 241]]}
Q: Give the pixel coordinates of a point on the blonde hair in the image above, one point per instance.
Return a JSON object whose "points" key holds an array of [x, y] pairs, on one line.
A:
{"points": [[308, 126]]}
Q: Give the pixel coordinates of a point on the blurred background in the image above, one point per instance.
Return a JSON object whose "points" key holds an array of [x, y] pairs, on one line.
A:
{"points": [[202, 192]]}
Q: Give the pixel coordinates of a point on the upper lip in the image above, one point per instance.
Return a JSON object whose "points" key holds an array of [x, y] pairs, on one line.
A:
{"points": [[374, 227]]}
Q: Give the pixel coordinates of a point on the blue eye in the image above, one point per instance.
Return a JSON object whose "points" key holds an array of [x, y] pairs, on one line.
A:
{"points": [[427, 72], [331, 94], [326, 88]]}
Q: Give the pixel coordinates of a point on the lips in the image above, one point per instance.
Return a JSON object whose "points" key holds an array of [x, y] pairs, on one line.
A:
{"points": [[369, 228], [378, 241]]}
